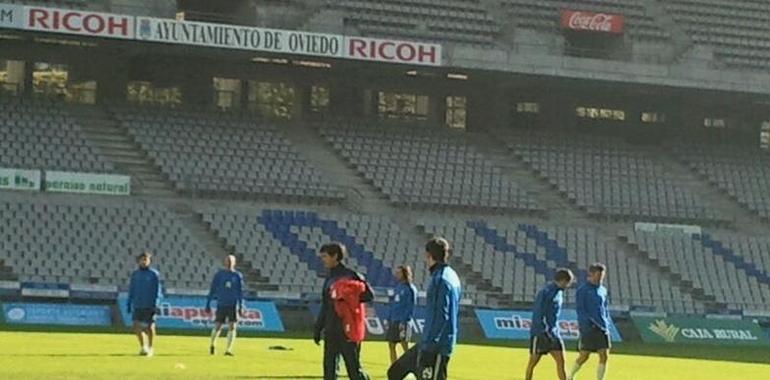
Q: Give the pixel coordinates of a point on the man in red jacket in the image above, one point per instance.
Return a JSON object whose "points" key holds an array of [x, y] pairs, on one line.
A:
{"points": [[333, 327]]}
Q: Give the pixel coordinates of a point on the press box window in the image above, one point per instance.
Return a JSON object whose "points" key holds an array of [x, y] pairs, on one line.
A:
{"points": [[527, 107], [600, 113]]}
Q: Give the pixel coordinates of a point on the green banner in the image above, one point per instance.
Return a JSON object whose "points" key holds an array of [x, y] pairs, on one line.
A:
{"points": [[86, 183], [682, 330], [19, 179]]}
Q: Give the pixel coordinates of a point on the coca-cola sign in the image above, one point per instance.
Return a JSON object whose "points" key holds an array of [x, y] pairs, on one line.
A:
{"points": [[592, 22]]}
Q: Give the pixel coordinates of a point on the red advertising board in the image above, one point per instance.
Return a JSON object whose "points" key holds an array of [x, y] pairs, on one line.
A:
{"points": [[71, 21], [592, 22]]}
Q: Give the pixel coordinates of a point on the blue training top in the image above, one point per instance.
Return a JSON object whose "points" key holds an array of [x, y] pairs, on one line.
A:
{"points": [[546, 311], [442, 311], [144, 291], [593, 307], [402, 307], [227, 288]]}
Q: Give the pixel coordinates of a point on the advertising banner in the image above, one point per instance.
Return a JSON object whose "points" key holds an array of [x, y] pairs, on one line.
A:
{"points": [[80, 22], [19, 179], [377, 318], [56, 314], [11, 16], [682, 330], [592, 22], [239, 37], [188, 312], [224, 36], [85, 183], [515, 324], [393, 51]]}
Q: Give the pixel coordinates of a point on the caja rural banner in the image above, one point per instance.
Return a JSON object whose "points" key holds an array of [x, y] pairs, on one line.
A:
{"points": [[56, 314], [188, 312], [86, 183], [682, 330], [19, 179], [515, 324], [377, 318]]}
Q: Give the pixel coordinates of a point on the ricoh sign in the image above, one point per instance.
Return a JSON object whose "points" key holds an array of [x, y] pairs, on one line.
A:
{"points": [[221, 36], [69, 21], [592, 22], [287, 42]]}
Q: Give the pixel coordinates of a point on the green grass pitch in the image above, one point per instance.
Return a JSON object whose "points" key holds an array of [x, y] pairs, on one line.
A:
{"points": [[60, 356]]}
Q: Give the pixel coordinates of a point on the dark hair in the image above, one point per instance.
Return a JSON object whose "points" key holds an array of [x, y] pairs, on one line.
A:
{"points": [[563, 274], [406, 272], [335, 249], [144, 254], [597, 267], [438, 248]]}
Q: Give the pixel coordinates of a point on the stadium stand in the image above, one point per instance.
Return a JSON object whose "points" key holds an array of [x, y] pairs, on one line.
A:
{"points": [[543, 15], [606, 176], [754, 251], [459, 21], [72, 242], [716, 271], [518, 258], [740, 171], [375, 244], [427, 168], [252, 158], [285, 243], [737, 32], [38, 134]]}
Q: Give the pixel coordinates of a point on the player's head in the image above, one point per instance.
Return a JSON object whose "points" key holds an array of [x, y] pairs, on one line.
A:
{"points": [[404, 273], [230, 262], [332, 254], [563, 278], [437, 250], [596, 273], [144, 259]]}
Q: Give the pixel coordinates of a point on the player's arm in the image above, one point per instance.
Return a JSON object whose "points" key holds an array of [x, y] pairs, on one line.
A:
{"points": [[241, 289], [321, 320], [131, 293], [537, 308], [594, 306], [549, 314], [368, 294], [212, 292], [158, 290], [440, 320], [409, 304]]}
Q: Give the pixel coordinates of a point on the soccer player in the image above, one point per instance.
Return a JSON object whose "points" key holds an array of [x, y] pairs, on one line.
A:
{"points": [[144, 293], [227, 288], [401, 311], [593, 321], [428, 360], [545, 336], [329, 323]]}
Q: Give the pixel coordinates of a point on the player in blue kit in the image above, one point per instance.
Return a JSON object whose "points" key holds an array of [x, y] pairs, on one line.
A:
{"points": [[593, 321], [227, 288], [401, 312], [144, 293], [545, 336]]}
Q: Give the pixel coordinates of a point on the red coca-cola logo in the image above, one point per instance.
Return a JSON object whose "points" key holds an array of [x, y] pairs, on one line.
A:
{"points": [[596, 22], [599, 22]]}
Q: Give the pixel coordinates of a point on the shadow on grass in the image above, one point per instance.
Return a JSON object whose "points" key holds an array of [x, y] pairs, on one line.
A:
{"points": [[280, 377], [79, 355]]}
